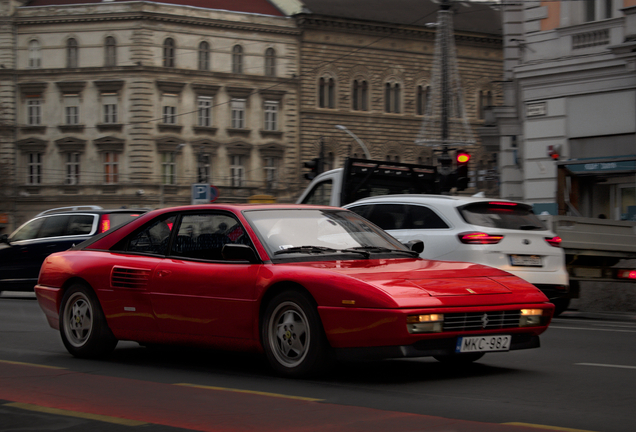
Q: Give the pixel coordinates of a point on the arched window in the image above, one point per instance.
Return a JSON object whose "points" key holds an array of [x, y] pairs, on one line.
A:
{"points": [[423, 92], [204, 56], [72, 54], [35, 59], [270, 62], [169, 53], [326, 93], [359, 95], [392, 94], [237, 59], [110, 51]]}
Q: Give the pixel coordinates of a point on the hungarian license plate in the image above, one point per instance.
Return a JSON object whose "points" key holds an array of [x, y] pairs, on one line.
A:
{"points": [[483, 343], [526, 260]]}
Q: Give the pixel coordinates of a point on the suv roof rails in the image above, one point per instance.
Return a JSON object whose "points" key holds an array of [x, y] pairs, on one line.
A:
{"points": [[72, 208]]}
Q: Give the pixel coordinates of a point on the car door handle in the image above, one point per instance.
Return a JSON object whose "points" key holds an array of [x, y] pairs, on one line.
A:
{"points": [[163, 273]]}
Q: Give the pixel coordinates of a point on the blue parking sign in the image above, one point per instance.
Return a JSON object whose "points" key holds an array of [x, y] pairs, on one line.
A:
{"points": [[203, 193]]}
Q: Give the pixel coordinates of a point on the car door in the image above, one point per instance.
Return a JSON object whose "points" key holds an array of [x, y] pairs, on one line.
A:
{"points": [[14, 256], [195, 291]]}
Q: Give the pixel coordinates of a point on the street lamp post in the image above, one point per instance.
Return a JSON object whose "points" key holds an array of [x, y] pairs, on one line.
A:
{"points": [[358, 140]]}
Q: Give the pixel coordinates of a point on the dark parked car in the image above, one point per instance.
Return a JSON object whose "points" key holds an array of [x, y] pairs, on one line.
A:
{"points": [[23, 252]]}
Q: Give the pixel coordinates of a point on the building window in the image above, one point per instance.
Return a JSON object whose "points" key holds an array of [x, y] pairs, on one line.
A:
{"points": [[237, 59], [34, 111], [484, 101], [204, 56], [110, 52], [392, 94], [422, 99], [72, 168], [238, 113], [35, 59], [360, 96], [237, 171], [72, 53], [169, 109], [392, 158], [109, 102], [169, 53], [271, 173], [270, 62], [168, 173], [326, 93], [71, 109], [203, 168], [111, 167], [204, 111], [34, 168], [271, 115]]}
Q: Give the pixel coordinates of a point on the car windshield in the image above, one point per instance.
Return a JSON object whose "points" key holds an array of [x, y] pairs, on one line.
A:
{"points": [[501, 215], [314, 231]]}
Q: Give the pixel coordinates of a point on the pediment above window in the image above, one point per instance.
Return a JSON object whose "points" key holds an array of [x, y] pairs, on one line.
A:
{"points": [[169, 145], [32, 145], [71, 145], [239, 148], [109, 86], [239, 92], [67, 87], [170, 86], [109, 144], [205, 146], [32, 88], [272, 150], [273, 95], [205, 89]]}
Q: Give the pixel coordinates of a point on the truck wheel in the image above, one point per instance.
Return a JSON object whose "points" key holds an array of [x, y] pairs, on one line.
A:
{"points": [[83, 327], [292, 335]]}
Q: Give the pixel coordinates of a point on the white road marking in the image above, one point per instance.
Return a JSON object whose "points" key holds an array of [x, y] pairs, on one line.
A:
{"points": [[594, 329], [606, 365]]}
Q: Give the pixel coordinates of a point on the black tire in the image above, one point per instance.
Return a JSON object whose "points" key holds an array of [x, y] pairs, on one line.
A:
{"points": [[293, 338], [83, 326], [459, 359]]}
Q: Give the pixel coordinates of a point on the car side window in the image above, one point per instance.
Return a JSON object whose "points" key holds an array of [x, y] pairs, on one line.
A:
{"points": [[28, 231], [421, 217], [203, 236], [320, 195], [80, 225], [388, 216], [54, 226], [153, 239]]}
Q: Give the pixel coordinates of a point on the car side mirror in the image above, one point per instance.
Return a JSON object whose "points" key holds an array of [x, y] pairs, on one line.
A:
{"points": [[239, 252], [415, 246], [4, 238]]}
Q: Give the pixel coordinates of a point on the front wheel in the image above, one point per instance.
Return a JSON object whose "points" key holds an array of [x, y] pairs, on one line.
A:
{"points": [[292, 335], [82, 324]]}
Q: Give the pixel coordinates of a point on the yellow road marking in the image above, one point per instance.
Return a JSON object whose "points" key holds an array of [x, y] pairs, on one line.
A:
{"points": [[30, 364], [277, 395], [552, 428], [97, 417]]}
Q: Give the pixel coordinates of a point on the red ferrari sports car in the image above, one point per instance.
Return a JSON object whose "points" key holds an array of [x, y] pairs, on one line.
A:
{"points": [[304, 284]]}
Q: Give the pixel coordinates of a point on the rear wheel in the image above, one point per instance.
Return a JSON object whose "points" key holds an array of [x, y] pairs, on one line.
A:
{"points": [[292, 335], [82, 324], [459, 359]]}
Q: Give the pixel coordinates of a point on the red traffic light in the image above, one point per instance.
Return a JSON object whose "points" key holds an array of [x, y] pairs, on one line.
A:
{"points": [[462, 157]]}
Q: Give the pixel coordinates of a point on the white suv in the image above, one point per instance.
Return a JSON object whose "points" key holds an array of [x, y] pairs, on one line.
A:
{"points": [[494, 232]]}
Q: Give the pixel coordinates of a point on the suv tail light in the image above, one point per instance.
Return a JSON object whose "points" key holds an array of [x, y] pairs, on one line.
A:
{"points": [[104, 224], [554, 241], [479, 238]]}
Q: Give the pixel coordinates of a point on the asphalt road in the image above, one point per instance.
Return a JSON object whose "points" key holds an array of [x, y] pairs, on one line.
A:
{"points": [[581, 379]]}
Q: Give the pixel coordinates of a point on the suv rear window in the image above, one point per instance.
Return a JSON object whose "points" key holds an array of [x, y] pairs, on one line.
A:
{"points": [[501, 215], [120, 218]]}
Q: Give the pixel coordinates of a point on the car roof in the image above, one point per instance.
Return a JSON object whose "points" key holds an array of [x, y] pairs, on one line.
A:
{"points": [[90, 210], [454, 201], [239, 207]]}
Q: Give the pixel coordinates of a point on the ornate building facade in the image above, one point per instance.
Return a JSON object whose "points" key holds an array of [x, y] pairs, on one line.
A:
{"points": [[118, 103]]}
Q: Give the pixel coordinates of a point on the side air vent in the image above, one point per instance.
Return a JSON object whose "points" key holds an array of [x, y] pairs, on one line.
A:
{"points": [[129, 278]]}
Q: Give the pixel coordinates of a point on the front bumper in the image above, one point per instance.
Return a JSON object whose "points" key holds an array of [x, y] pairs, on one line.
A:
{"points": [[425, 348]]}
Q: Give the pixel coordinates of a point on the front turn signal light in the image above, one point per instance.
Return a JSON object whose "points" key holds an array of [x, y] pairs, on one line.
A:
{"points": [[429, 323]]}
